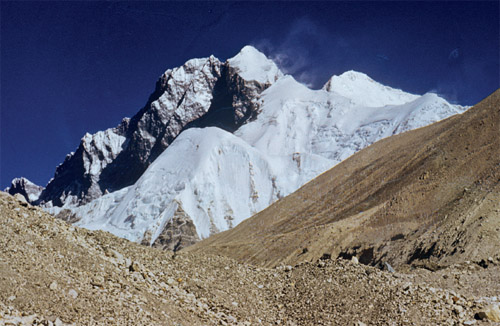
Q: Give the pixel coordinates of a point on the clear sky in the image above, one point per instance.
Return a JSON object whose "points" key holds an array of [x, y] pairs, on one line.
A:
{"points": [[73, 67]]}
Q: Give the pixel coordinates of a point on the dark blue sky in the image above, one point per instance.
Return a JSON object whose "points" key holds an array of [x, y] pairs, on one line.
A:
{"points": [[73, 67]]}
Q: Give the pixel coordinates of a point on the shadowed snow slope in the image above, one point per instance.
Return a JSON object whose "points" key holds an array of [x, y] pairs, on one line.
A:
{"points": [[219, 179]]}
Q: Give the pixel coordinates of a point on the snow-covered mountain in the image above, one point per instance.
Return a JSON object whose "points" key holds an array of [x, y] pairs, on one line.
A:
{"points": [[28, 189], [202, 92], [209, 179], [218, 142]]}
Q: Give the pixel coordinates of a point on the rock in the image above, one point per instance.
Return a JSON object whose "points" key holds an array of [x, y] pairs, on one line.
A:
{"points": [[53, 286], [469, 322], [491, 313], [288, 268], [360, 323], [354, 259], [389, 267], [21, 198], [178, 233], [97, 281], [483, 263], [135, 267], [326, 256], [457, 309], [115, 255], [72, 293], [28, 191], [407, 286]]}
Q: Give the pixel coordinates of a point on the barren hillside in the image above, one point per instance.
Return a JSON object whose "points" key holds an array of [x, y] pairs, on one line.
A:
{"points": [[52, 273]]}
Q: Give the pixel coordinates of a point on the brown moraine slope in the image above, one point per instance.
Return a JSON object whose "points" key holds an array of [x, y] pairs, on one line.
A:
{"points": [[52, 273], [427, 197]]}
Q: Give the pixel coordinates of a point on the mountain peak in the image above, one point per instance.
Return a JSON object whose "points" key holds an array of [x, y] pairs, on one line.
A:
{"points": [[355, 75], [365, 91], [252, 64], [26, 188]]}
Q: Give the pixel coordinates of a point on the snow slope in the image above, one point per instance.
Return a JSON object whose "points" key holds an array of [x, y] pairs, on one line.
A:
{"points": [[219, 179], [296, 119]]}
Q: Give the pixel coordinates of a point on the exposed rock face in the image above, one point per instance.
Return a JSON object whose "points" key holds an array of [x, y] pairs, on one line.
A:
{"points": [[26, 188], [202, 92], [179, 233], [77, 179]]}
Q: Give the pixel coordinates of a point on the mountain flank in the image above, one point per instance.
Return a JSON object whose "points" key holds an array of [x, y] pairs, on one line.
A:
{"points": [[427, 197]]}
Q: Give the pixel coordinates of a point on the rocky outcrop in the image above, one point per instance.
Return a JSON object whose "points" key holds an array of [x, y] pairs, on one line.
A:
{"points": [[77, 179], [491, 313], [26, 188], [178, 233]]}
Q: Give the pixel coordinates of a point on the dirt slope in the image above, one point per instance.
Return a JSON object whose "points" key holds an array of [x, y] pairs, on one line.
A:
{"points": [[52, 273], [426, 197]]}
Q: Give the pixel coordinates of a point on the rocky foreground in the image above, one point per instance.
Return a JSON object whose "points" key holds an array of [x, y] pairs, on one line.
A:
{"points": [[52, 273]]}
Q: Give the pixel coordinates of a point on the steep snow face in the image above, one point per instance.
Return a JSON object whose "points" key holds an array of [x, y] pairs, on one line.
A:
{"points": [[363, 90], [427, 109], [28, 189], [253, 65], [215, 177], [219, 179]]}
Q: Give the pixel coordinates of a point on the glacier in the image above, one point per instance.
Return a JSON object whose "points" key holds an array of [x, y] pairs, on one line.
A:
{"points": [[217, 179]]}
